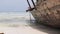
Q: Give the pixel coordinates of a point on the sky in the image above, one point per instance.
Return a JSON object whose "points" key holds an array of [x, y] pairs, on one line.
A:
{"points": [[13, 5]]}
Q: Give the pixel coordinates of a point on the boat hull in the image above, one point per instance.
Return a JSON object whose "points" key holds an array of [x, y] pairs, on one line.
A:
{"points": [[48, 12]]}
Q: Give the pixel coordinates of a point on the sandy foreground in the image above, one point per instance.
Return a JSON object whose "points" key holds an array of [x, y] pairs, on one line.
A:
{"points": [[26, 29], [20, 30]]}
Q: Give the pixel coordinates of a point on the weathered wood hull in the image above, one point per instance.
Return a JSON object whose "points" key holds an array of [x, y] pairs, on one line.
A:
{"points": [[48, 12]]}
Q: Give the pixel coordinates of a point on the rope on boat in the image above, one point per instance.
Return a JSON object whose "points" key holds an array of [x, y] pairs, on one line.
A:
{"points": [[30, 9], [29, 4], [34, 5]]}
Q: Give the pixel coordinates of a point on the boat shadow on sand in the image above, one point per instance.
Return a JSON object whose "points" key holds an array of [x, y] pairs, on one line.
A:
{"points": [[44, 28]]}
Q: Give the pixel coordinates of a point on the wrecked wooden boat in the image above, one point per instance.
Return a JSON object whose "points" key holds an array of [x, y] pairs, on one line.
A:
{"points": [[46, 12]]}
